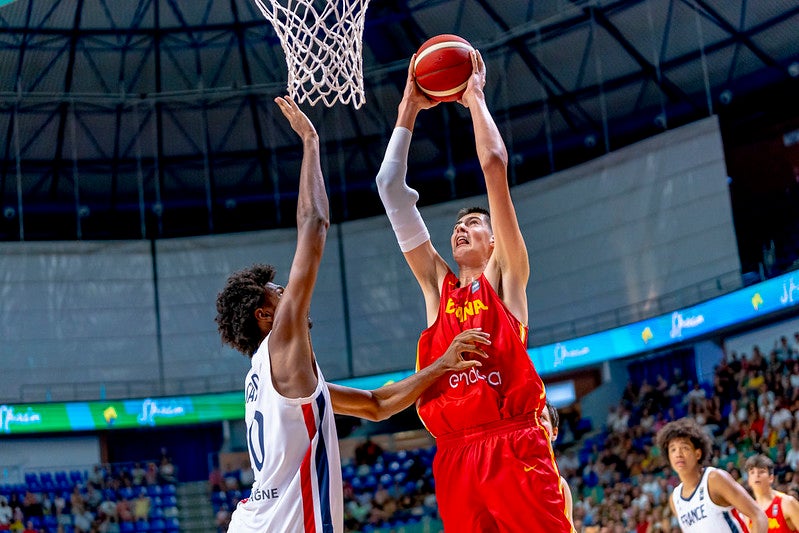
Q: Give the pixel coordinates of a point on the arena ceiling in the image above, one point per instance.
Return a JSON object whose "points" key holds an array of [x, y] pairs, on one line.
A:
{"points": [[154, 118]]}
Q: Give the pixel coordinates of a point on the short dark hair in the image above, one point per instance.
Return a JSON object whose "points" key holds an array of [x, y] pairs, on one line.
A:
{"points": [[685, 428], [243, 293], [553, 415], [474, 209], [759, 461]]}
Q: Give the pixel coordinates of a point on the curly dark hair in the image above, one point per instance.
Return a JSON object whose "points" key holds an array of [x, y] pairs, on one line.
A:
{"points": [[685, 428], [243, 293]]}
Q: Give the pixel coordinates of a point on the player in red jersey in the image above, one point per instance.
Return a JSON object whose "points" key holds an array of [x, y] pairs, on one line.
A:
{"points": [[494, 468], [781, 509]]}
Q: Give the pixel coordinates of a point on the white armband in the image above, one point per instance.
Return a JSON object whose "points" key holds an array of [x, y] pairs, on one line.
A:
{"points": [[398, 199]]}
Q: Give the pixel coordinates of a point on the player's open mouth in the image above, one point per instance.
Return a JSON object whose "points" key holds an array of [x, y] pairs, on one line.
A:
{"points": [[461, 240]]}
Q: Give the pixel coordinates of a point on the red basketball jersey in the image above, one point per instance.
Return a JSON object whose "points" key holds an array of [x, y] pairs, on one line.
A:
{"points": [[507, 385], [776, 520]]}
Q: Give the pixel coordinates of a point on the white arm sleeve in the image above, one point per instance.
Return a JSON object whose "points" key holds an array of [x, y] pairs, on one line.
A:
{"points": [[398, 199]]}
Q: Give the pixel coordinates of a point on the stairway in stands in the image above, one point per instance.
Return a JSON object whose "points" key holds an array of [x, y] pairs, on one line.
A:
{"points": [[196, 515]]}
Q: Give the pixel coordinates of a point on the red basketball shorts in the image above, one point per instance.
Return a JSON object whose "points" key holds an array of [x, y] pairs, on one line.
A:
{"points": [[500, 478]]}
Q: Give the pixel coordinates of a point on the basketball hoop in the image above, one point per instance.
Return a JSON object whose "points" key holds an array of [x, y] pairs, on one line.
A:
{"points": [[323, 43]]}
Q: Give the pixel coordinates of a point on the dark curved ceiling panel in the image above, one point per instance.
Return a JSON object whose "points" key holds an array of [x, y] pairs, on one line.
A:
{"points": [[155, 118]]}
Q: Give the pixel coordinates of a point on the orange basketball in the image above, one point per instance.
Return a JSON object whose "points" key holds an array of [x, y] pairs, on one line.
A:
{"points": [[443, 67]]}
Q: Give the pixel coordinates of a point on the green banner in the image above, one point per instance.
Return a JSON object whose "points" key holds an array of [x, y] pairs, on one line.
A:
{"points": [[119, 414], [148, 412]]}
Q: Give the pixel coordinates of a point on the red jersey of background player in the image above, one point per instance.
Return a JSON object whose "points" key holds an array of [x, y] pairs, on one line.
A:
{"points": [[507, 384], [776, 520]]}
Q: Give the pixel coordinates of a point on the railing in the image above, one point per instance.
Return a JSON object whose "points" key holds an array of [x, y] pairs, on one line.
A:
{"points": [[114, 390], [665, 303], [87, 391]]}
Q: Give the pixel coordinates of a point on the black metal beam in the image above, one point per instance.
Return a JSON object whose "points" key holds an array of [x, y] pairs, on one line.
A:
{"points": [[740, 37], [556, 93], [17, 78], [74, 37], [262, 155], [669, 88]]}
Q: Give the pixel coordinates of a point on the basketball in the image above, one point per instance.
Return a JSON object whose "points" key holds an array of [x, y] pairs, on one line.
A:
{"points": [[443, 67]]}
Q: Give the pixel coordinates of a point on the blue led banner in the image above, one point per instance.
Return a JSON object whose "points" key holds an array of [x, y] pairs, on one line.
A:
{"points": [[664, 330], [658, 332]]}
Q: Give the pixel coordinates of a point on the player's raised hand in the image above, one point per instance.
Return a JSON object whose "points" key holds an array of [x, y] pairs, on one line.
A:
{"points": [[413, 95], [477, 81], [299, 122], [462, 349]]}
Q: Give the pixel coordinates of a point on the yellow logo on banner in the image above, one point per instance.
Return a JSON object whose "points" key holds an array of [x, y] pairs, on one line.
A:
{"points": [[110, 414]]}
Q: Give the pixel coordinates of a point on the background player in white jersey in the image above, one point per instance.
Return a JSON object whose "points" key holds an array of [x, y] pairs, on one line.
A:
{"points": [[289, 408], [707, 499], [550, 419]]}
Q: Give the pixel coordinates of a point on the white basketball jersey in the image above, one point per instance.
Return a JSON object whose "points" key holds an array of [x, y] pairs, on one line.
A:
{"points": [[698, 513], [294, 454]]}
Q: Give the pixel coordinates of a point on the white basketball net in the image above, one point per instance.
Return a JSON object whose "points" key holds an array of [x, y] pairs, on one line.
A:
{"points": [[323, 43]]}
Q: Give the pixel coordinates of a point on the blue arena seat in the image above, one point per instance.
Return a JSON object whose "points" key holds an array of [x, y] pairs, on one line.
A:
{"points": [[347, 472], [75, 476], [370, 482]]}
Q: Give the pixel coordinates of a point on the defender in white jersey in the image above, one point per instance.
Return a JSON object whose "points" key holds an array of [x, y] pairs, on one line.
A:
{"points": [[707, 499], [299, 487], [291, 433]]}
